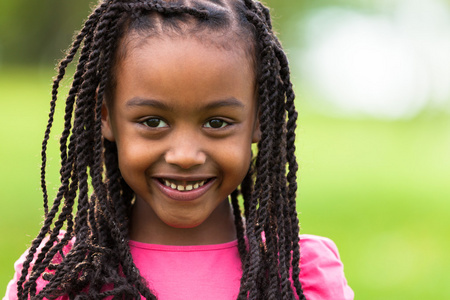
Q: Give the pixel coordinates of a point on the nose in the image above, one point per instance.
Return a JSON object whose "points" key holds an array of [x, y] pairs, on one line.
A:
{"points": [[185, 152]]}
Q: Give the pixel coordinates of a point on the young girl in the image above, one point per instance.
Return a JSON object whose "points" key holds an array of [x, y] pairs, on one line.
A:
{"points": [[160, 196]]}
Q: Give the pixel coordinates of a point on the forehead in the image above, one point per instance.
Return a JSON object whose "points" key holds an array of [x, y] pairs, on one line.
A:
{"points": [[178, 48], [225, 46], [185, 69]]}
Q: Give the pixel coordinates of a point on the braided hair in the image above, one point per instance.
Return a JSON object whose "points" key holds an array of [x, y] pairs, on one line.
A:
{"points": [[99, 263]]}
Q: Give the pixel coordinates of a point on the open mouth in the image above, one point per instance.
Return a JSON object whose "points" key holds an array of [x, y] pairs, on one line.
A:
{"points": [[183, 186]]}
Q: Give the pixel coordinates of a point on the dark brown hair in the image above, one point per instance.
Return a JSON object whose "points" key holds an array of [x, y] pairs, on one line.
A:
{"points": [[98, 224]]}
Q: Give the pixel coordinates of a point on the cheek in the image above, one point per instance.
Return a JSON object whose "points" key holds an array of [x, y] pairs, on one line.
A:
{"points": [[133, 161], [237, 156]]}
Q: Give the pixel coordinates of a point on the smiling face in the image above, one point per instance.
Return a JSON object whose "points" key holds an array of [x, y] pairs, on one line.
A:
{"points": [[183, 117]]}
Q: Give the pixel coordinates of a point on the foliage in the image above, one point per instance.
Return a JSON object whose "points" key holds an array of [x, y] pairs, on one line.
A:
{"points": [[37, 31]]}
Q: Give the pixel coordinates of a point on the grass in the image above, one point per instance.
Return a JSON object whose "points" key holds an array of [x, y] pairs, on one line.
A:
{"points": [[378, 189]]}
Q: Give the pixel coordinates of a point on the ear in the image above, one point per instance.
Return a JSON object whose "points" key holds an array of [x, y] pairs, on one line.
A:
{"points": [[107, 131], [256, 131]]}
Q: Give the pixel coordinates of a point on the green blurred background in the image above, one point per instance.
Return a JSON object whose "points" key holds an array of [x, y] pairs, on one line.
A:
{"points": [[372, 80]]}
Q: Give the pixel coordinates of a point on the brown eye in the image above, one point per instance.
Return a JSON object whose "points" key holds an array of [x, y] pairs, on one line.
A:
{"points": [[216, 123], [154, 123]]}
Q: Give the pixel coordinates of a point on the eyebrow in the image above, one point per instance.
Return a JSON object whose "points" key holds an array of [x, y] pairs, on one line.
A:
{"points": [[229, 102], [139, 102]]}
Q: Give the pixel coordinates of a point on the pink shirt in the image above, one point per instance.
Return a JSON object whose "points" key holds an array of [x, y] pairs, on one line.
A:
{"points": [[214, 271]]}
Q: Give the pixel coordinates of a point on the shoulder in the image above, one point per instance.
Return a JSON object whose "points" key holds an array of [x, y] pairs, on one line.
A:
{"points": [[11, 290], [321, 269], [317, 247]]}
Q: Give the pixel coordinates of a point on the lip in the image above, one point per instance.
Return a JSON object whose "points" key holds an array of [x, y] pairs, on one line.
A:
{"points": [[183, 178], [184, 195]]}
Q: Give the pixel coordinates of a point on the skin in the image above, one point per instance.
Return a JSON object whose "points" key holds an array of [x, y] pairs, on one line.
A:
{"points": [[183, 111]]}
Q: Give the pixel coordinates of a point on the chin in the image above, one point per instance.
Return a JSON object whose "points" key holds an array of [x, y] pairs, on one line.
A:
{"points": [[188, 224]]}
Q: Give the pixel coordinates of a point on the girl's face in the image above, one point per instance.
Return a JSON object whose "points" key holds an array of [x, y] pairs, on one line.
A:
{"points": [[183, 118]]}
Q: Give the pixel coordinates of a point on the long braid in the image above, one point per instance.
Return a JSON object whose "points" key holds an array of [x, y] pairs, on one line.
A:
{"points": [[292, 163], [267, 214], [62, 69], [102, 209], [100, 256], [291, 226], [258, 217], [284, 224], [49, 218], [240, 232], [62, 190], [278, 194]]}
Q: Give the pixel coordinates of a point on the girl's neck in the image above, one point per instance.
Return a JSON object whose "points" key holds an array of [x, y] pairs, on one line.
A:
{"points": [[146, 227]]}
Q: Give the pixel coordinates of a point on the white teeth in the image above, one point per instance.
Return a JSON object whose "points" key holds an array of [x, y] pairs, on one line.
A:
{"points": [[181, 187]]}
